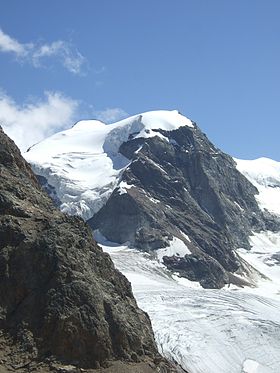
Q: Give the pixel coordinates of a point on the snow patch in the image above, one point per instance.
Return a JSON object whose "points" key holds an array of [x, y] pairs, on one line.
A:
{"points": [[123, 186], [177, 248], [237, 204], [157, 166], [252, 366], [154, 200], [265, 257], [185, 236]]}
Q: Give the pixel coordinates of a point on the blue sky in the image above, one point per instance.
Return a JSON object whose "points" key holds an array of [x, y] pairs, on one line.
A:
{"points": [[217, 61]]}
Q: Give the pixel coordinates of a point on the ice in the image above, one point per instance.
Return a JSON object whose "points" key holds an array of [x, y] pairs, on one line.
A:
{"points": [[205, 331]]}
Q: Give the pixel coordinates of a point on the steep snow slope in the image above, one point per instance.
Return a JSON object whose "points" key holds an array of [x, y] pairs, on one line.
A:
{"points": [[83, 163], [264, 255], [264, 173]]}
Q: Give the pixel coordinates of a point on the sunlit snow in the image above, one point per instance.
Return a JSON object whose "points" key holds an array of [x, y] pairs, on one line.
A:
{"points": [[205, 331], [176, 247], [264, 173], [232, 330], [83, 163]]}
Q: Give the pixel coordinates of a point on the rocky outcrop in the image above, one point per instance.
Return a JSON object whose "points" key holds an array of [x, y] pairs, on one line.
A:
{"points": [[60, 296], [183, 185]]}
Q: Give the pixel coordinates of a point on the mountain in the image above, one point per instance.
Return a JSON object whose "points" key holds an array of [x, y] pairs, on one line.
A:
{"points": [[61, 299], [155, 180], [180, 201]]}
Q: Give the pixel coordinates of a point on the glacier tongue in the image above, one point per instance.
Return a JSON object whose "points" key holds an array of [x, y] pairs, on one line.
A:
{"points": [[205, 331]]}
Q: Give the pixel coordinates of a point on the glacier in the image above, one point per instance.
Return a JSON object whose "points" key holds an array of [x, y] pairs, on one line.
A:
{"points": [[232, 330]]}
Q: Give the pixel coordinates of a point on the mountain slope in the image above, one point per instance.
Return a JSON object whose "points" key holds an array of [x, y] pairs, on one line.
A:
{"points": [[155, 179], [60, 295], [264, 173]]}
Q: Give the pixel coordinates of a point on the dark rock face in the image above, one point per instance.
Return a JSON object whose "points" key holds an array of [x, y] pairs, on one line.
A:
{"points": [[60, 295], [184, 185], [208, 271], [49, 189]]}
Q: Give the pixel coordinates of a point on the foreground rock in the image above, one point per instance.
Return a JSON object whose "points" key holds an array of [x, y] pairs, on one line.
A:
{"points": [[61, 299]]}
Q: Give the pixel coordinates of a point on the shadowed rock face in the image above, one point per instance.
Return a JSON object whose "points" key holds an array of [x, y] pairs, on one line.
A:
{"points": [[60, 295], [184, 185]]}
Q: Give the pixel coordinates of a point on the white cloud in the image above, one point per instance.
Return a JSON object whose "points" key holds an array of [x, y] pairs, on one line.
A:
{"points": [[8, 44], [69, 57], [35, 54], [30, 123], [110, 115]]}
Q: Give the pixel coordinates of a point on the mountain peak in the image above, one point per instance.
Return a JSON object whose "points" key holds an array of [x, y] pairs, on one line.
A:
{"points": [[69, 158], [87, 124]]}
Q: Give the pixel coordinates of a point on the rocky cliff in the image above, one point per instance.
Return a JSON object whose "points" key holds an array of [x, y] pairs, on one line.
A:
{"points": [[61, 299], [181, 185]]}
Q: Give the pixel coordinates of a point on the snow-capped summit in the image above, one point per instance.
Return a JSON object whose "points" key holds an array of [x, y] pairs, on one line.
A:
{"points": [[90, 135], [83, 163]]}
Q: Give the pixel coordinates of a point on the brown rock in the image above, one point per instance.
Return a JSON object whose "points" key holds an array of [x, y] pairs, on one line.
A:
{"points": [[60, 295]]}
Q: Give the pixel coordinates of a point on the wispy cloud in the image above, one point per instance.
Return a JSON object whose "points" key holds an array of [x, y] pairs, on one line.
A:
{"points": [[8, 44], [36, 53], [110, 115], [69, 56], [31, 122]]}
